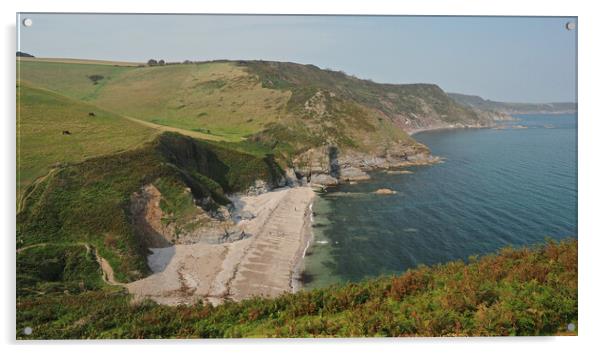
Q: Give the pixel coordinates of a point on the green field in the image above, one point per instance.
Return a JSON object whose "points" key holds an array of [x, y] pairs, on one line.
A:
{"points": [[41, 145], [68, 78], [298, 106], [219, 99]]}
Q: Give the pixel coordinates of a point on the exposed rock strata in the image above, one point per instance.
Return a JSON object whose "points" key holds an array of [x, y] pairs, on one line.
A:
{"points": [[317, 164]]}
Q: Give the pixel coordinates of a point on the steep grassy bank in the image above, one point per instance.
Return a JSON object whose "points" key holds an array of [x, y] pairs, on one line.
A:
{"points": [[515, 292], [91, 201]]}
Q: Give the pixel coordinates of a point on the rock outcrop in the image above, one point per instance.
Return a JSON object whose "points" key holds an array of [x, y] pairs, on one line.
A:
{"points": [[385, 191], [323, 179], [351, 166]]}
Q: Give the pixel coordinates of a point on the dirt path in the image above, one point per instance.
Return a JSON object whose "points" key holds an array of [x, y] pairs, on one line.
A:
{"points": [[29, 190], [108, 274], [195, 134], [261, 265], [107, 271]]}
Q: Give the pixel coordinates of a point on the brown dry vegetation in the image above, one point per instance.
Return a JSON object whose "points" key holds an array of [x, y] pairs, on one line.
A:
{"points": [[516, 292]]}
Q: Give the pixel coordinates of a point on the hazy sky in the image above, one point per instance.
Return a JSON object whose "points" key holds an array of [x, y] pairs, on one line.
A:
{"points": [[500, 58]]}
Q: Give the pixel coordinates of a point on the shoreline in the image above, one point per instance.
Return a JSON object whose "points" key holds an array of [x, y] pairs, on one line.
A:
{"points": [[442, 128], [267, 263], [308, 238]]}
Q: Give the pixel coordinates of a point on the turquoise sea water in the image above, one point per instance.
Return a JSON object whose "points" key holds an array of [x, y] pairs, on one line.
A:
{"points": [[495, 188]]}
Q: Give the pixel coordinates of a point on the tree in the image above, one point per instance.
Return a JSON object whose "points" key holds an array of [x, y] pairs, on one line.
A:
{"points": [[161, 62], [152, 62], [95, 78]]}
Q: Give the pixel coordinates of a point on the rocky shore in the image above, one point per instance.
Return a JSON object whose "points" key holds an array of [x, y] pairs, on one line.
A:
{"points": [[327, 166]]}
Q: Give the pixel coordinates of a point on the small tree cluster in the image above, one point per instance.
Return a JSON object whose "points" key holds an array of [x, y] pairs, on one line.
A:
{"points": [[153, 62]]}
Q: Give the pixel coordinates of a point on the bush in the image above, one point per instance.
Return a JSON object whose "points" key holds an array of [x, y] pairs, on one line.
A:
{"points": [[455, 299]]}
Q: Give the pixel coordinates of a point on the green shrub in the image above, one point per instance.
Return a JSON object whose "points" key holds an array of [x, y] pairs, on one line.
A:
{"points": [[501, 294]]}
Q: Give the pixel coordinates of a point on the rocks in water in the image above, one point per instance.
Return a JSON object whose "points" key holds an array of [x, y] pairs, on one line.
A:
{"points": [[419, 158], [399, 172], [323, 179], [505, 127], [350, 173], [385, 191], [329, 165]]}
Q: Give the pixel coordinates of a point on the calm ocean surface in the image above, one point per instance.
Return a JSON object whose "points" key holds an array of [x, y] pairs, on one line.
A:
{"points": [[496, 188]]}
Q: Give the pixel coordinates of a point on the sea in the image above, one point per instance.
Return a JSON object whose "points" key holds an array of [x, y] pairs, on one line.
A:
{"points": [[511, 186]]}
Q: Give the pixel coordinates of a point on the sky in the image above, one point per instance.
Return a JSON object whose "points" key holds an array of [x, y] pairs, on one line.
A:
{"points": [[513, 59]]}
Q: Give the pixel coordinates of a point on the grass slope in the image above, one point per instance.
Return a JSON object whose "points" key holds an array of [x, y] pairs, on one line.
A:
{"points": [[516, 292], [409, 100], [333, 108], [44, 115], [287, 107], [218, 99], [71, 79], [90, 201]]}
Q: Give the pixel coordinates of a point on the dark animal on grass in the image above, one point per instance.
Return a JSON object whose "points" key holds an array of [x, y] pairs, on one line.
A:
{"points": [[91, 114], [66, 132]]}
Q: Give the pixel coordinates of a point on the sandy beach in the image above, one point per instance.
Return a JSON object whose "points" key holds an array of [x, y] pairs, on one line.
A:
{"points": [[265, 263]]}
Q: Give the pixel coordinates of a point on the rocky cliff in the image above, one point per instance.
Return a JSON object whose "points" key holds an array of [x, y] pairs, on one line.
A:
{"points": [[508, 108], [336, 127]]}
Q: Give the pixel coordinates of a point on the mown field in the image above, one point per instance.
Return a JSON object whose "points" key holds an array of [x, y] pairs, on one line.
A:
{"points": [[515, 292]]}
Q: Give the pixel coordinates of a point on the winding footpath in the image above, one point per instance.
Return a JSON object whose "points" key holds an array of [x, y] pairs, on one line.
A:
{"points": [[263, 264], [108, 275]]}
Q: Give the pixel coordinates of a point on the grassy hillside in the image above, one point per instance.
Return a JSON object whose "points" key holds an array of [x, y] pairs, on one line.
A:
{"points": [[328, 107], [41, 144], [287, 107], [216, 98], [407, 100], [71, 78], [89, 202], [516, 292], [77, 191]]}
